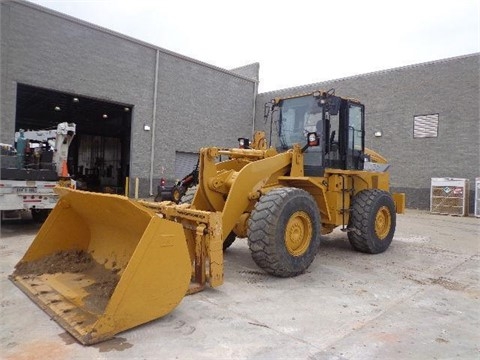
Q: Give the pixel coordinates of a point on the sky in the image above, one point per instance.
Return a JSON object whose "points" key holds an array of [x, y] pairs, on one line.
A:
{"points": [[296, 42]]}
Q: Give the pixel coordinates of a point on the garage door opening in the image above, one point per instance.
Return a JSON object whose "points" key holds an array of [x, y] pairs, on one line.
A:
{"points": [[99, 154]]}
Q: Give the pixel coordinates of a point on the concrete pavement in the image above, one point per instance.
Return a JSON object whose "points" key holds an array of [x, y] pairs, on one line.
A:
{"points": [[418, 300]]}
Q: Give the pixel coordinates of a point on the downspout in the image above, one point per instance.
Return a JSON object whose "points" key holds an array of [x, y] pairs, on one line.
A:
{"points": [[154, 117], [255, 90]]}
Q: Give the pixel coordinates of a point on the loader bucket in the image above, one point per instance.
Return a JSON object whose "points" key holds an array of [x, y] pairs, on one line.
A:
{"points": [[101, 264]]}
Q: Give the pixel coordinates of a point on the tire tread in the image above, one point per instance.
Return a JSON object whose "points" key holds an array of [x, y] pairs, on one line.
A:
{"points": [[262, 229], [361, 224]]}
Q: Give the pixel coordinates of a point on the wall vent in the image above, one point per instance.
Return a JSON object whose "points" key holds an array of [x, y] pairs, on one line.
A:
{"points": [[425, 126]]}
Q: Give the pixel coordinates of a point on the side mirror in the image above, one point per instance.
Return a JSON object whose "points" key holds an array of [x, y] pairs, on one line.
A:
{"points": [[312, 140], [243, 143]]}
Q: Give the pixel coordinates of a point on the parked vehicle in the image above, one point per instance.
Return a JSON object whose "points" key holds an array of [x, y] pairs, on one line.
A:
{"points": [[177, 191], [32, 168]]}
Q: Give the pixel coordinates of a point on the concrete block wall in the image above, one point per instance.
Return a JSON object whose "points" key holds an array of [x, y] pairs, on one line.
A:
{"points": [[197, 104], [50, 51], [448, 87], [251, 70]]}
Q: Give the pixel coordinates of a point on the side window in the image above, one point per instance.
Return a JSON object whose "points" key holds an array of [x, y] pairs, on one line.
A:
{"points": [[355, 128]]}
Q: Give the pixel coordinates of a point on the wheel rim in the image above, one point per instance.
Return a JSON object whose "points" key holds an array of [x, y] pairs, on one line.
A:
{"points": [[176, 195], [383, 222], [298, 233]]}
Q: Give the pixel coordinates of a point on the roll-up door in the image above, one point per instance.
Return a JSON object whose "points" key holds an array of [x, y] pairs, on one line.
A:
{"points": [[184, 163]]}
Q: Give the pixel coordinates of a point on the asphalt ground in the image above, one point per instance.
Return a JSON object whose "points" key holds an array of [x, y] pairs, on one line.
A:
{"points": [[418, 300]]}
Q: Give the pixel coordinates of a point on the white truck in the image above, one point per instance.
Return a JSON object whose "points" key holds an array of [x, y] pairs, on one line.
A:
{"points": [[30, 170]]}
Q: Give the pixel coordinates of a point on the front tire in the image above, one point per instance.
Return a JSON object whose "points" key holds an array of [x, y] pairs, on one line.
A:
{"points": [[372, 221], [187, 198], [284, 232], [229, 240]]}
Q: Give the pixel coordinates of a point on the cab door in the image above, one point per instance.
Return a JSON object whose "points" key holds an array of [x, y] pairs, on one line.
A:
{"points": [[355, 136]]}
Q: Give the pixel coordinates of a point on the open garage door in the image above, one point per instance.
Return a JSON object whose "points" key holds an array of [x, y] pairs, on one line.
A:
{"points": [[99, 155]]}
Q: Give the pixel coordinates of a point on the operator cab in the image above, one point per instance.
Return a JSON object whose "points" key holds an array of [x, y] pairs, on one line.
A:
{"points": [[338, 123]]}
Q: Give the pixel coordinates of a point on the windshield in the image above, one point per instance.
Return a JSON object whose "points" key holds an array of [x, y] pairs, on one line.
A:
{"points": [[296, 118]]}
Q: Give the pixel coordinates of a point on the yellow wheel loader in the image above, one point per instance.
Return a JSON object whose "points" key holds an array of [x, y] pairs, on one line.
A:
{"points": [[103, 263]]}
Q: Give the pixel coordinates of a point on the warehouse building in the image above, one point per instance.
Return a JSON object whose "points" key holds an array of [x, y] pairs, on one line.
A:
{"points": [[423, 118], [143, 112]]}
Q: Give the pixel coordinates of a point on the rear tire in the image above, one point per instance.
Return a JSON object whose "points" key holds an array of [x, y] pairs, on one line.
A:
{"points": [[284, 231], [372, 221]]}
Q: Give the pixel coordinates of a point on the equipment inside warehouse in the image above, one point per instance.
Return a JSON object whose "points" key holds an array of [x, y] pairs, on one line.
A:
{"points": [[100, 152]]}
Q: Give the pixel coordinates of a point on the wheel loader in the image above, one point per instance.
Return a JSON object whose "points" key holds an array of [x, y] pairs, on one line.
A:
{"points": [[104, 263]]}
